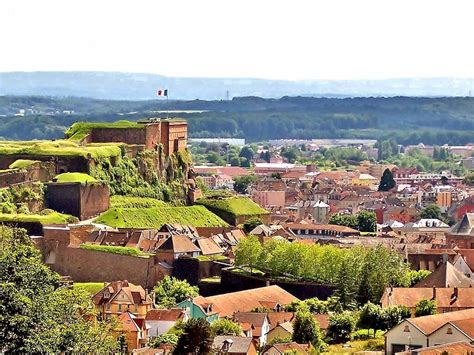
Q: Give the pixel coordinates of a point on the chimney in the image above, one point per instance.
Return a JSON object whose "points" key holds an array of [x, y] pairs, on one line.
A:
{"points": [[456, 292], [434, 293]]}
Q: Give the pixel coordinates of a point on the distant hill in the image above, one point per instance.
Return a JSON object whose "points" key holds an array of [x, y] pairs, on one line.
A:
{"points": [[409, 120], [141, 86]]}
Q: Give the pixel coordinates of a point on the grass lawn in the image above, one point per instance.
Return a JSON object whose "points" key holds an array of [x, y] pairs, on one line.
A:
{"points": [[80, 130], [197, 216], [22, 163], [75, 177], [115, 250], [135, 202], [59, 148], [91, 287], [236, 206], [52, 218], [372, 344], [210, 258]]}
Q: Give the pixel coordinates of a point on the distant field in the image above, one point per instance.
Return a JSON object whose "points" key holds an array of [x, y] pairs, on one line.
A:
{"points": [[156, 217]]}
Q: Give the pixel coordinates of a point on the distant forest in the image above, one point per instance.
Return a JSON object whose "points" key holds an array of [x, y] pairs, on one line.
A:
{"points": [[409, 120]]}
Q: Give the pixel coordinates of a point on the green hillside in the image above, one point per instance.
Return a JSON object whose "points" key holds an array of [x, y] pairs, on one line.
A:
{"points": [[197, 216], [236, 206], [79, 130]]}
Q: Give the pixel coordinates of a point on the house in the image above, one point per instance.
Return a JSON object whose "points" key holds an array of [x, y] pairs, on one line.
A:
{"points": [[135, 331], [446, 275], [280, 331], [462, 233], [176, 246], [224, 344], [309, 230], [447, 299], [420, 332], [196, 310], [273, 297], [288, 348], [257, 321], [459, 347], [160, 320], [122, 296]]}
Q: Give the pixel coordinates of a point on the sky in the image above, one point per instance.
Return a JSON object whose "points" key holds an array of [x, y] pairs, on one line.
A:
{"points": [[292, 40]]}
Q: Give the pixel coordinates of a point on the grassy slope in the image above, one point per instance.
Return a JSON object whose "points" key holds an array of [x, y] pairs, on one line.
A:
{"points": [[135, 202], [197, 216], [59, 148], [115, 250], [75, 177], [91, 287], [237, 206], [22, 163], [52, 218], [79, 130]]}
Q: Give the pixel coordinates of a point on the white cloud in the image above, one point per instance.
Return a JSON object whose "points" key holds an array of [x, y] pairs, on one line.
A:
{"points": [[331, 39]]}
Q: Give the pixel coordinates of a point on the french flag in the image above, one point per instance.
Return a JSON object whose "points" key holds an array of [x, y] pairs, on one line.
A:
{"points": [[162, 92]]}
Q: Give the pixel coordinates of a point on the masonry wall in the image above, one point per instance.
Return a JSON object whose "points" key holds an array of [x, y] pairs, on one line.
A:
{"points": [[81, 200], [194, 270], [93, 266], [118, 135]]}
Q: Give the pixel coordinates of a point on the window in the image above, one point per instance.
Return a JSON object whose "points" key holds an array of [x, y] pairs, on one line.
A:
{"points": [[108, 306], [406, 329], [120, 307], [449, 331]]}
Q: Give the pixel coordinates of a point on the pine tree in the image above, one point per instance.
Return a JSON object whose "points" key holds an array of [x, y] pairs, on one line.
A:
{"points": [[387, 182]]}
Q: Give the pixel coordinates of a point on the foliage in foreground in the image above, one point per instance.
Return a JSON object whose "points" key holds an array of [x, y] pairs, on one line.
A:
{"points": [[37, 315]]}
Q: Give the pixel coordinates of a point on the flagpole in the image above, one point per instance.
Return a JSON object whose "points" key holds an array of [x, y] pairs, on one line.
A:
{"points": [[167, 104]]}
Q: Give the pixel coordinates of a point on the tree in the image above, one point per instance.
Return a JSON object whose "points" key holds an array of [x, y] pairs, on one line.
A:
{"points": [[469, 179], [340, 326], [37, 314], [367, 221], [306, 329], [431, 211], [347, 220], [248, 252], [196, 339], [246, 152], [425, 307], [171, 339], [394, 315], [225, 326], [241, 183], [386, 181], [234, 161], [371, 317], [170, 291], [251, 223]]}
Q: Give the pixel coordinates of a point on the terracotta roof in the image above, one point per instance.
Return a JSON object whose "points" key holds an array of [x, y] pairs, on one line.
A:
{"points": [[179, 244], [244, 301], [445, 297], [446, 275], [135, 293], [254, 318], [460, 347], [238, 345], [466, 326], [428, 324], [276, 318], [165, 314], [323, 320], [127, 322], [209, 246], [331, 227], [465, 226]]}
